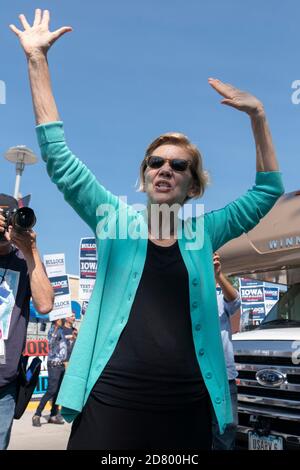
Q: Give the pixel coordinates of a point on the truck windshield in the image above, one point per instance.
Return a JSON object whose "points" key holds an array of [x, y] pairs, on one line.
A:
{"points": [[286, 312]]}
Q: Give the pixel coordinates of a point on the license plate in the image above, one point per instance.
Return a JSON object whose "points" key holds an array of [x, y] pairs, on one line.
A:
{"points": [[270, 442]]}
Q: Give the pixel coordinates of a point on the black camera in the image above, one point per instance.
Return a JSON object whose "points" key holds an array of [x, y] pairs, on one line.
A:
{"points": [[21, 219]]}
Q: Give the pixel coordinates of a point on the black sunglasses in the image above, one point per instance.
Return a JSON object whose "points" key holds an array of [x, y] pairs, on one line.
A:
{"points": [[177, 164]]}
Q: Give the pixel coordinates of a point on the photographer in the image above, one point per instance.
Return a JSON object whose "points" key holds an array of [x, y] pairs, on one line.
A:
{"points": [[22, 275]]}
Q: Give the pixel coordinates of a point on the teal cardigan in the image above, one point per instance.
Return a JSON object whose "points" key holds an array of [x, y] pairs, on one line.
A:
{"points": [[120, 266]]}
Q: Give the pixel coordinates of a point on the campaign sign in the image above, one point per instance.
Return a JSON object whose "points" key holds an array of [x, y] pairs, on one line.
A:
{"points": [[60, 285], [245, 282], [62, 308], [62, 298], [86, 287], [253, 314], [252, 294], [36, 347], [271, 294], [55, 264], [88, 248], [88, 269]]}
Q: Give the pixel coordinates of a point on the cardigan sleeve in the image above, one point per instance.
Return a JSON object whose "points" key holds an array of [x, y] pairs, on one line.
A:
{"points": [[77, 183], [244, 213]]}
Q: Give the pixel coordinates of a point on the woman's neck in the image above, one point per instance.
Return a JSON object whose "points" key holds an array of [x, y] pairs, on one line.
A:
{"points": [[162, 223]]}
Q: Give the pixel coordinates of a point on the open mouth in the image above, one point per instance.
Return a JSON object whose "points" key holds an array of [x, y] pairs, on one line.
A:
{"points": [[163, 186]]}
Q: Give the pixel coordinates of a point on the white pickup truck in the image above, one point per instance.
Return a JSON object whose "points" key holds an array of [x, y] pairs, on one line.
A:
{"points": [[268, 357]]}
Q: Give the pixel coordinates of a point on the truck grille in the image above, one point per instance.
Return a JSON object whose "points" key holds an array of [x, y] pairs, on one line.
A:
{"points": [[278, 406]]}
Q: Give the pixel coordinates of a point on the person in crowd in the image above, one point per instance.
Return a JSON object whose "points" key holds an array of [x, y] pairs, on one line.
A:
{"points": [[70, 333], [57, 356], [22, 275], [229, 313], [148, 361]]}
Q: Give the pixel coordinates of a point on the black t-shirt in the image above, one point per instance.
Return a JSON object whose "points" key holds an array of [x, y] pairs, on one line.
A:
{"points": [[154, 363], [14, 312]]}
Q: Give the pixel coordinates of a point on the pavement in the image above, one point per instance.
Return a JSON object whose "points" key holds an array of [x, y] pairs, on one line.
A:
{"points": [[48, 437]]}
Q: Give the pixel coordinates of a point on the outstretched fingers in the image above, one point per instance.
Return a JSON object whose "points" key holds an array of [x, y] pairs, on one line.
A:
{"points": [[24, 21], [46, 18], [224, 89], [60, 32], [230, 103], [15, 30], [37, 17]]}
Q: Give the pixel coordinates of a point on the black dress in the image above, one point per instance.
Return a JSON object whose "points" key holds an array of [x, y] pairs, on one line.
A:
{"points": [[151, 394]]}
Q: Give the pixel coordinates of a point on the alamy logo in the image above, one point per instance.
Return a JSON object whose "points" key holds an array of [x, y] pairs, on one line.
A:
{"points": [[2, 92], [134, 221]]}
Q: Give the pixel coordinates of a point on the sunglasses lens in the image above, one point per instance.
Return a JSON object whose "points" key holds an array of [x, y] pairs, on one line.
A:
{"points": [[155, 162], [179, 165]]}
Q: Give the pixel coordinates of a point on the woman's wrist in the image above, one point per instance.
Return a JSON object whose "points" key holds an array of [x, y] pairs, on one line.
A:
{"points": [[36, 56], [258, 113]]}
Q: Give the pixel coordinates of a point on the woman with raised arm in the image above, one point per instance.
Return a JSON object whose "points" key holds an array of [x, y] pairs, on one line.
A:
{"points": [[148, 363]]}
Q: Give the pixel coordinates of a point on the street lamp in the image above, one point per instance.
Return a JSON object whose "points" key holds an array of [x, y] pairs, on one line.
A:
{"points": [[21, 156]]}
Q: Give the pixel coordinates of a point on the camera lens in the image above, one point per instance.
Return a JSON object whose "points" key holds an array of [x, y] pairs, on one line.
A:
{"points": [[23, 219]]}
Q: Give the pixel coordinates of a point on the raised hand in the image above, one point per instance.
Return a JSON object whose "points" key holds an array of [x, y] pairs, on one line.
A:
{"points": [[236, 98], [217, 265], [37, 38]]}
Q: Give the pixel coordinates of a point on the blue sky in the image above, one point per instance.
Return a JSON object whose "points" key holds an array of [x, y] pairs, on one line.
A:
{"points": [[134, 69]]}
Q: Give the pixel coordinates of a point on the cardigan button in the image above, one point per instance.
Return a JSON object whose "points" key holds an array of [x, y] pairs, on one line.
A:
{"points": [[218, 400], [208, 375], [201, 352], [198, 327], [194, 282], [135, 275], [195, 304]]}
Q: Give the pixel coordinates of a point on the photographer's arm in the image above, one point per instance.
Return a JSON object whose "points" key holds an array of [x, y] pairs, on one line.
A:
{"points": [[41, 289]]}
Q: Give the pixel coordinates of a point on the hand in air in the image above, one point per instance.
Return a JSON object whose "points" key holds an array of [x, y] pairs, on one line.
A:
{"points": [[241, 100], [37, 38]]}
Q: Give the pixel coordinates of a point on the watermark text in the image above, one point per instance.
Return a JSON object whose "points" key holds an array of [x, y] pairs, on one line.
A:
{"points": [[2, 92]]}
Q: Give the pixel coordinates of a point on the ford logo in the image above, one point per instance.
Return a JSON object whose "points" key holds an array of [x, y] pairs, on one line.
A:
{"points": [[270, 377]]}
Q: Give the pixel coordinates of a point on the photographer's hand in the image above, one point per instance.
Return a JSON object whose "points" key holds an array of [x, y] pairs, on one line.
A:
{"points": [[24, 241], [2, 222]]}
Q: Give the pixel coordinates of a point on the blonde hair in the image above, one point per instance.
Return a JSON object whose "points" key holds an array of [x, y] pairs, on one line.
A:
{"points": [[200, 176]]}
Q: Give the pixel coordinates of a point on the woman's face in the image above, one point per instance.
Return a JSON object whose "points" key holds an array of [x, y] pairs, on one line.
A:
{"points": [[164, 185]]}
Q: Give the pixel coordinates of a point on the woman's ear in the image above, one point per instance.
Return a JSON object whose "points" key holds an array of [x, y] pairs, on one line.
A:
{"points": [[192, 190]]}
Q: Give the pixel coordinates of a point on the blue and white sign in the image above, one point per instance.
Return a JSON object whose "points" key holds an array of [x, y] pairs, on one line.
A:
{"points": [[88, 264]]}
